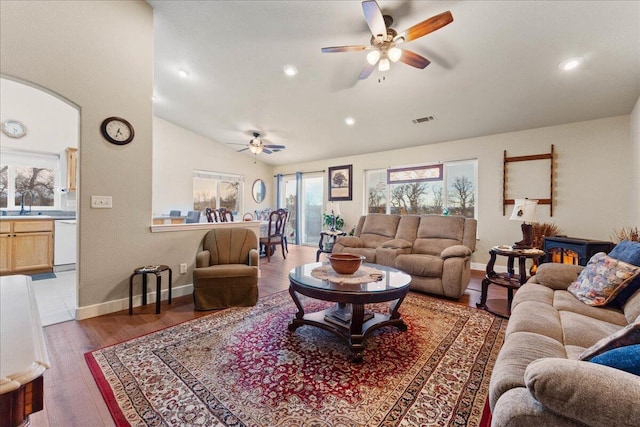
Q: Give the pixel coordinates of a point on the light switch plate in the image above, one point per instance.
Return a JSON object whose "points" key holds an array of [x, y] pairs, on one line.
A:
{"points": [[101, 202]]}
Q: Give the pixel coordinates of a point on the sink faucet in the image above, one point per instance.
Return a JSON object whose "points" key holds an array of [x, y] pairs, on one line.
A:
{"points": [[24, 193]]}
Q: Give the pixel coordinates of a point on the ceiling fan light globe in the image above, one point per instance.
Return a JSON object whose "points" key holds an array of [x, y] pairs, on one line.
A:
{"points": [[394, 54], [255, 149], [373, 56], [384, 65]]}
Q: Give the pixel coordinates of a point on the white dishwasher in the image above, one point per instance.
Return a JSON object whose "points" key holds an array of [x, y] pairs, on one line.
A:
{"points": [[64, 242]]}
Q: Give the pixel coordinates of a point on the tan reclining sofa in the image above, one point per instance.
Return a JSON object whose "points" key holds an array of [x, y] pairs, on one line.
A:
{"points": [[435, 250]]}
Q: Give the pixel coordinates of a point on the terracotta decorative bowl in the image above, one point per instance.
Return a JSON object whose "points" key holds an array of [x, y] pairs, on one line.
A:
{"points": [[345, 263]]}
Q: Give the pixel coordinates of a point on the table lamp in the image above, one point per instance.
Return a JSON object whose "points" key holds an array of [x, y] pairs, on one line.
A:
{"points": [[524, 210]]}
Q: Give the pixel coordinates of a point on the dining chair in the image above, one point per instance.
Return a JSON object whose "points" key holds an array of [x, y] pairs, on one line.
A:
{"points": [[284, 230], [247, 216], [225, 215], [175, 213], [212, 215], [192, 217], [275, 234]]}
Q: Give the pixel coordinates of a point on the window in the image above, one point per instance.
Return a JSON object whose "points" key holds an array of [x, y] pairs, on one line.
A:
{"points": [[421, 189], [217, 190], [31, 178]]}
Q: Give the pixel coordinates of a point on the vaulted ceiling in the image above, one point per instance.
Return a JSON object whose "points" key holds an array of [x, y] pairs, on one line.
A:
{"points": [[494, 69]]}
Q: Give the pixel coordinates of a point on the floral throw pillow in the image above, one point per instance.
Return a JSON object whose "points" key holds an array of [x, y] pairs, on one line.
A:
{"points": [[602, 279]]}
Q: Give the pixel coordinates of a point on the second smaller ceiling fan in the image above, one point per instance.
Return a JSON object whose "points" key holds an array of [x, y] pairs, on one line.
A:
{"points": [[257, 146]]}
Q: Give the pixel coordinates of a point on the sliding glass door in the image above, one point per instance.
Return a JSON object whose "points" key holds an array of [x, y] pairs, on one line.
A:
{"points": [[302, 195]]}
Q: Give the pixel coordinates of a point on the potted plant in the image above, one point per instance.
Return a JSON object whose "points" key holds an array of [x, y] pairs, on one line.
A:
{"points": [[328, 219]]}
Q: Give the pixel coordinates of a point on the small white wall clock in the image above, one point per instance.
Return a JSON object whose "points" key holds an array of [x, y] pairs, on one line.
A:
{"points": [[14, 129], [117, 131]]}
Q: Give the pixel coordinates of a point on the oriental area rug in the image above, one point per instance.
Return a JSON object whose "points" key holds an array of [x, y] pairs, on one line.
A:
{"points": [[243, 367]]}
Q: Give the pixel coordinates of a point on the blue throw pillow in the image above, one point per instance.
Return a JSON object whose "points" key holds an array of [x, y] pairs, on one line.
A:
{"points": [[623, 358], [627, 251]]}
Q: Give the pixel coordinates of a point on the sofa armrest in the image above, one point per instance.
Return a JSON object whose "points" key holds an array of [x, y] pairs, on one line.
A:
{"points": [[593, 394], [455, 251], [397, 244], [254, 256], [555, 275], [350, 242], [203, 259]]}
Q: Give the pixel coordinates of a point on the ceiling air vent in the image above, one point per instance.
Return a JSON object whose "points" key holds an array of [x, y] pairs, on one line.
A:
{"points": [[423, 119]]}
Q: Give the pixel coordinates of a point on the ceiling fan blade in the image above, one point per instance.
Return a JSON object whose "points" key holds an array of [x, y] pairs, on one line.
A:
{"points": [[366, 71], [373, 15], [274, 146], [345, 49], [425, 27], [244, 149], [413, 59], [264, 150]]}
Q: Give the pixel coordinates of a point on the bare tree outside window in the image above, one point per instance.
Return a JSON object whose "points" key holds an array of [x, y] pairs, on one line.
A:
{"points": [[39, 181], [4, 186], [461, 196]]}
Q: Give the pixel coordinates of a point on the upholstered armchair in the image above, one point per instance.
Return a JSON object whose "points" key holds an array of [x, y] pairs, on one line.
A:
{"points": [[226, 273]]}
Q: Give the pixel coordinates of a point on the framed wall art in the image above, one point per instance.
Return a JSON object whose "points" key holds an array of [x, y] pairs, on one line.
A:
{"points": [[340, 183]]}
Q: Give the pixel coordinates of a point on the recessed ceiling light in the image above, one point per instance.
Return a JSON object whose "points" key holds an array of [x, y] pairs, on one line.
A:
{"points": [[153, 98], [290, 70], [571, 63], [350, 121], [183, 73]]}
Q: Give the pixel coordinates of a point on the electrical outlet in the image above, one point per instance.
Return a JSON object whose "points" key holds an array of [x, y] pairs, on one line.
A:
{"points": [[183, 268], [101, 202]]}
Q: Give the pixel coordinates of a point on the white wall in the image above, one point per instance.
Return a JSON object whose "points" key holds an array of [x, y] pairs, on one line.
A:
{"points": [[178, 151], [98, 55], [52, 124], [634, 169], [592, 186]]}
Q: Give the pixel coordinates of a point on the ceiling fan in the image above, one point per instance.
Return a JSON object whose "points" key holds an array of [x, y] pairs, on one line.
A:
{"points": [[386, 42], [257, 146]]}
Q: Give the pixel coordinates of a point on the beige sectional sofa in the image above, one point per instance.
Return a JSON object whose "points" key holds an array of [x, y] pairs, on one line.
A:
{"points": [[435, 250], [538, 379]]}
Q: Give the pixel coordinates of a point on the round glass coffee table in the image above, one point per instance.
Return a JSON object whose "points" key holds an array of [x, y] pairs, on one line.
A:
{"points": [[348, 319]]}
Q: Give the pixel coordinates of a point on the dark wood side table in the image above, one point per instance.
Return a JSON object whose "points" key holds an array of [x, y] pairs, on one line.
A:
{"points": [[144, 271], [508, 280], [331, 238]]}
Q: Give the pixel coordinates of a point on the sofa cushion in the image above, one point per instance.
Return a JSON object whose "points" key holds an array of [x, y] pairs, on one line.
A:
{"points": [[565, 301], [536, 317], [436, 233], [602, 279], [556, 276], [592, 394], [580, 330], [420, 265], [628, 252], [378, 228], [623, 337], [515, 355], [623, 358], [408, 227], [631, 308]]}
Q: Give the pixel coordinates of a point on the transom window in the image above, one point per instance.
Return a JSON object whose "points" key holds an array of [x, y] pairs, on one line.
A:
{"points": [[217, 190], [443, 188]]}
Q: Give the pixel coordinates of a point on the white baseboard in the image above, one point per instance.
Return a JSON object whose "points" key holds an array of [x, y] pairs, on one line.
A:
{"points": [[123, 303]]}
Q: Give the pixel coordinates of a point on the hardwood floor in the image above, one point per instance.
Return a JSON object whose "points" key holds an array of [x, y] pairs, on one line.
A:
{"points": [[71, 395]]}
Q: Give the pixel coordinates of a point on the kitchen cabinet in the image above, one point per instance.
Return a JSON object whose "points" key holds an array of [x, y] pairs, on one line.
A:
{"points": [[26, 246], [71, 156]]}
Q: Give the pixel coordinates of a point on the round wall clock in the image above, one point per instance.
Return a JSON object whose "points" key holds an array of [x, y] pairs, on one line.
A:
{"points": [[14, 129], [117, 131]]}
